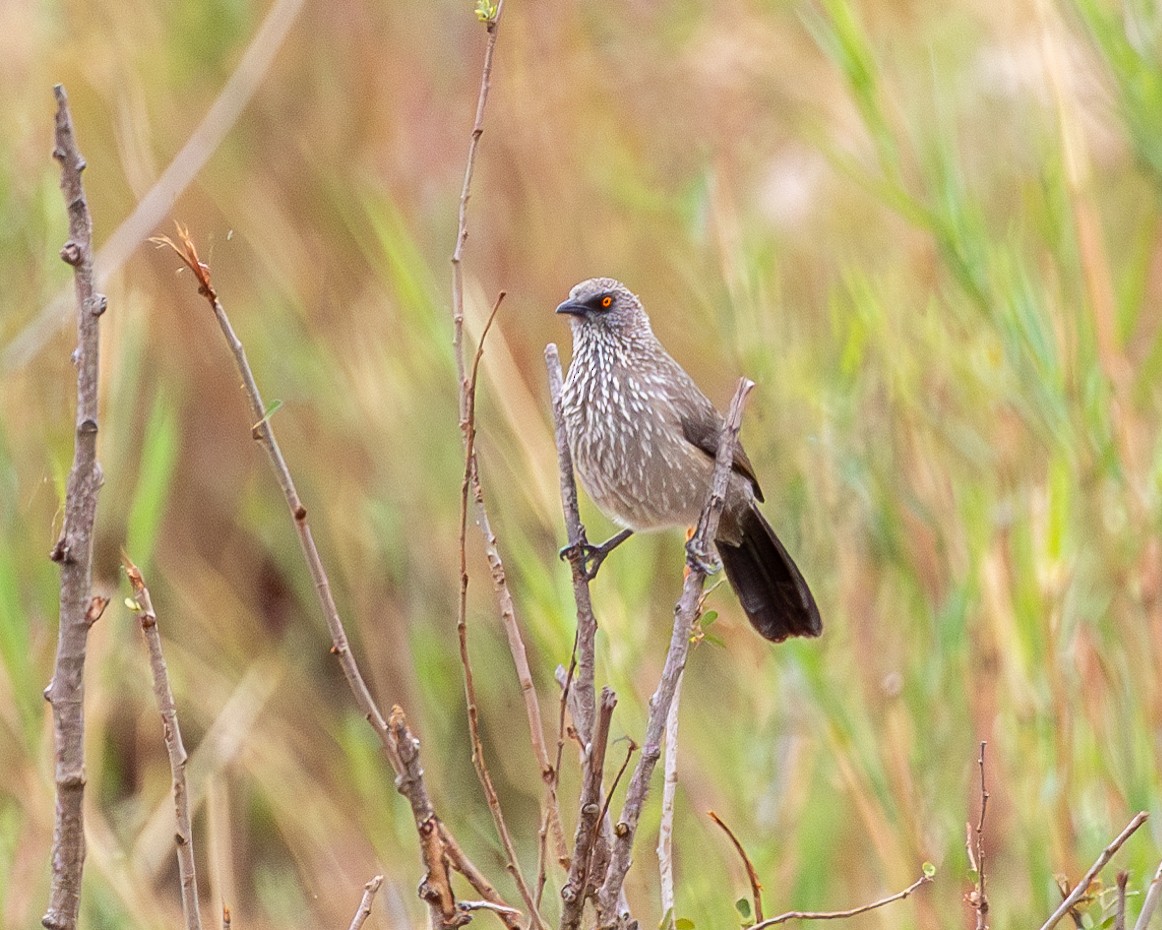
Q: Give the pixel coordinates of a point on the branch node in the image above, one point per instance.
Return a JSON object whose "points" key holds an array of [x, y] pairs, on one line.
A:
{"points": [[96, 607], [71, 253], [60, 552]]}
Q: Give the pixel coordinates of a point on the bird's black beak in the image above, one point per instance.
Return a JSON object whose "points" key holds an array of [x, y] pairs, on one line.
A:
{"points": [[573, 307]]}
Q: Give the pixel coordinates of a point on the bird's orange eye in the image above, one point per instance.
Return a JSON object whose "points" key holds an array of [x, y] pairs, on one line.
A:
{"points": [[606, 302]]}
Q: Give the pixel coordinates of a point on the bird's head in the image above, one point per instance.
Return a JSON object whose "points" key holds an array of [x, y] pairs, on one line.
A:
{"points": [[607, 304]]}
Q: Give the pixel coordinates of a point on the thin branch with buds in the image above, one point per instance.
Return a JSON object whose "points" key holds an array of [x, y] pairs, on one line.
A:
{"points": [[467, 401], [73, 551], [685, 614], [978, 900], [175, 748], [263, 433], [1082, 886], [471, 480], [843, 915]]}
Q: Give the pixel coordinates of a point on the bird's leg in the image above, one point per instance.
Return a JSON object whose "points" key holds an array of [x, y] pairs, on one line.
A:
{"points": [[699, 559], [589, 556]]}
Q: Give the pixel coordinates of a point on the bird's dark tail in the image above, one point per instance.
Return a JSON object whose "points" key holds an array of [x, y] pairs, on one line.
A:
{"points": [[769, 585]]}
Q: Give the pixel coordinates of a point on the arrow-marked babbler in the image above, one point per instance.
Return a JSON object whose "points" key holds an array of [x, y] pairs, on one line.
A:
{"points": [[644, 439]]}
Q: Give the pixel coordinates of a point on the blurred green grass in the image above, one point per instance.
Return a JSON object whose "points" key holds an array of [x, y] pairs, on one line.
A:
{"points": [[871, 209]]}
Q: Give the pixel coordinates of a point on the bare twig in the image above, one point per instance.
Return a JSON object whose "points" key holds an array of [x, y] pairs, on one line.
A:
{"points": [[369, 892], [978, 900], [578, 690], [582, 708], [1151, 903], [574, 892], [79, 609], [184, 836], [756, 888], [669, 793], [1120, 913], [472, 481], [842, 915], [684, 617], [223, 113], [1083, 886]]}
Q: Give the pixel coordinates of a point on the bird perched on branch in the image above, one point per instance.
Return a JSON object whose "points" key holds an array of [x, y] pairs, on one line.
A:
{"points": [[644, 439]]}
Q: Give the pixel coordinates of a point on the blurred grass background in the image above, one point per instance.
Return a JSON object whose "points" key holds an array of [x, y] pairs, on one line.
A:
{"points": [[930, 232]]}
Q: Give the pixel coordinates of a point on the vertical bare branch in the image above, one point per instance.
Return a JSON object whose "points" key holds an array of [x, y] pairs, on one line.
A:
{"points": [[175, 748], [79, 609], [579, 692], [588, 821], [979, 897], [669, 792], [369, 892], [1082, 886], [582, 708], [472, 482], [684, 616]]}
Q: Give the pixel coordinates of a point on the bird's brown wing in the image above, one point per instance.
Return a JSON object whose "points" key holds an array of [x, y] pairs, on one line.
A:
{"points": [[703, 428]]}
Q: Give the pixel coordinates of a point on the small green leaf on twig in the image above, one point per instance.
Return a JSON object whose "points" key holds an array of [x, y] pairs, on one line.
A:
{"points": [[742, 905], [709, 617], [274, 407], [683, 923], [486, 11], [929, 869], [133, 605]]}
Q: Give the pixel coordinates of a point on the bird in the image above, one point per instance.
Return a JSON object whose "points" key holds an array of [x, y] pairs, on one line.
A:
{"points": [[643, 438]]}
